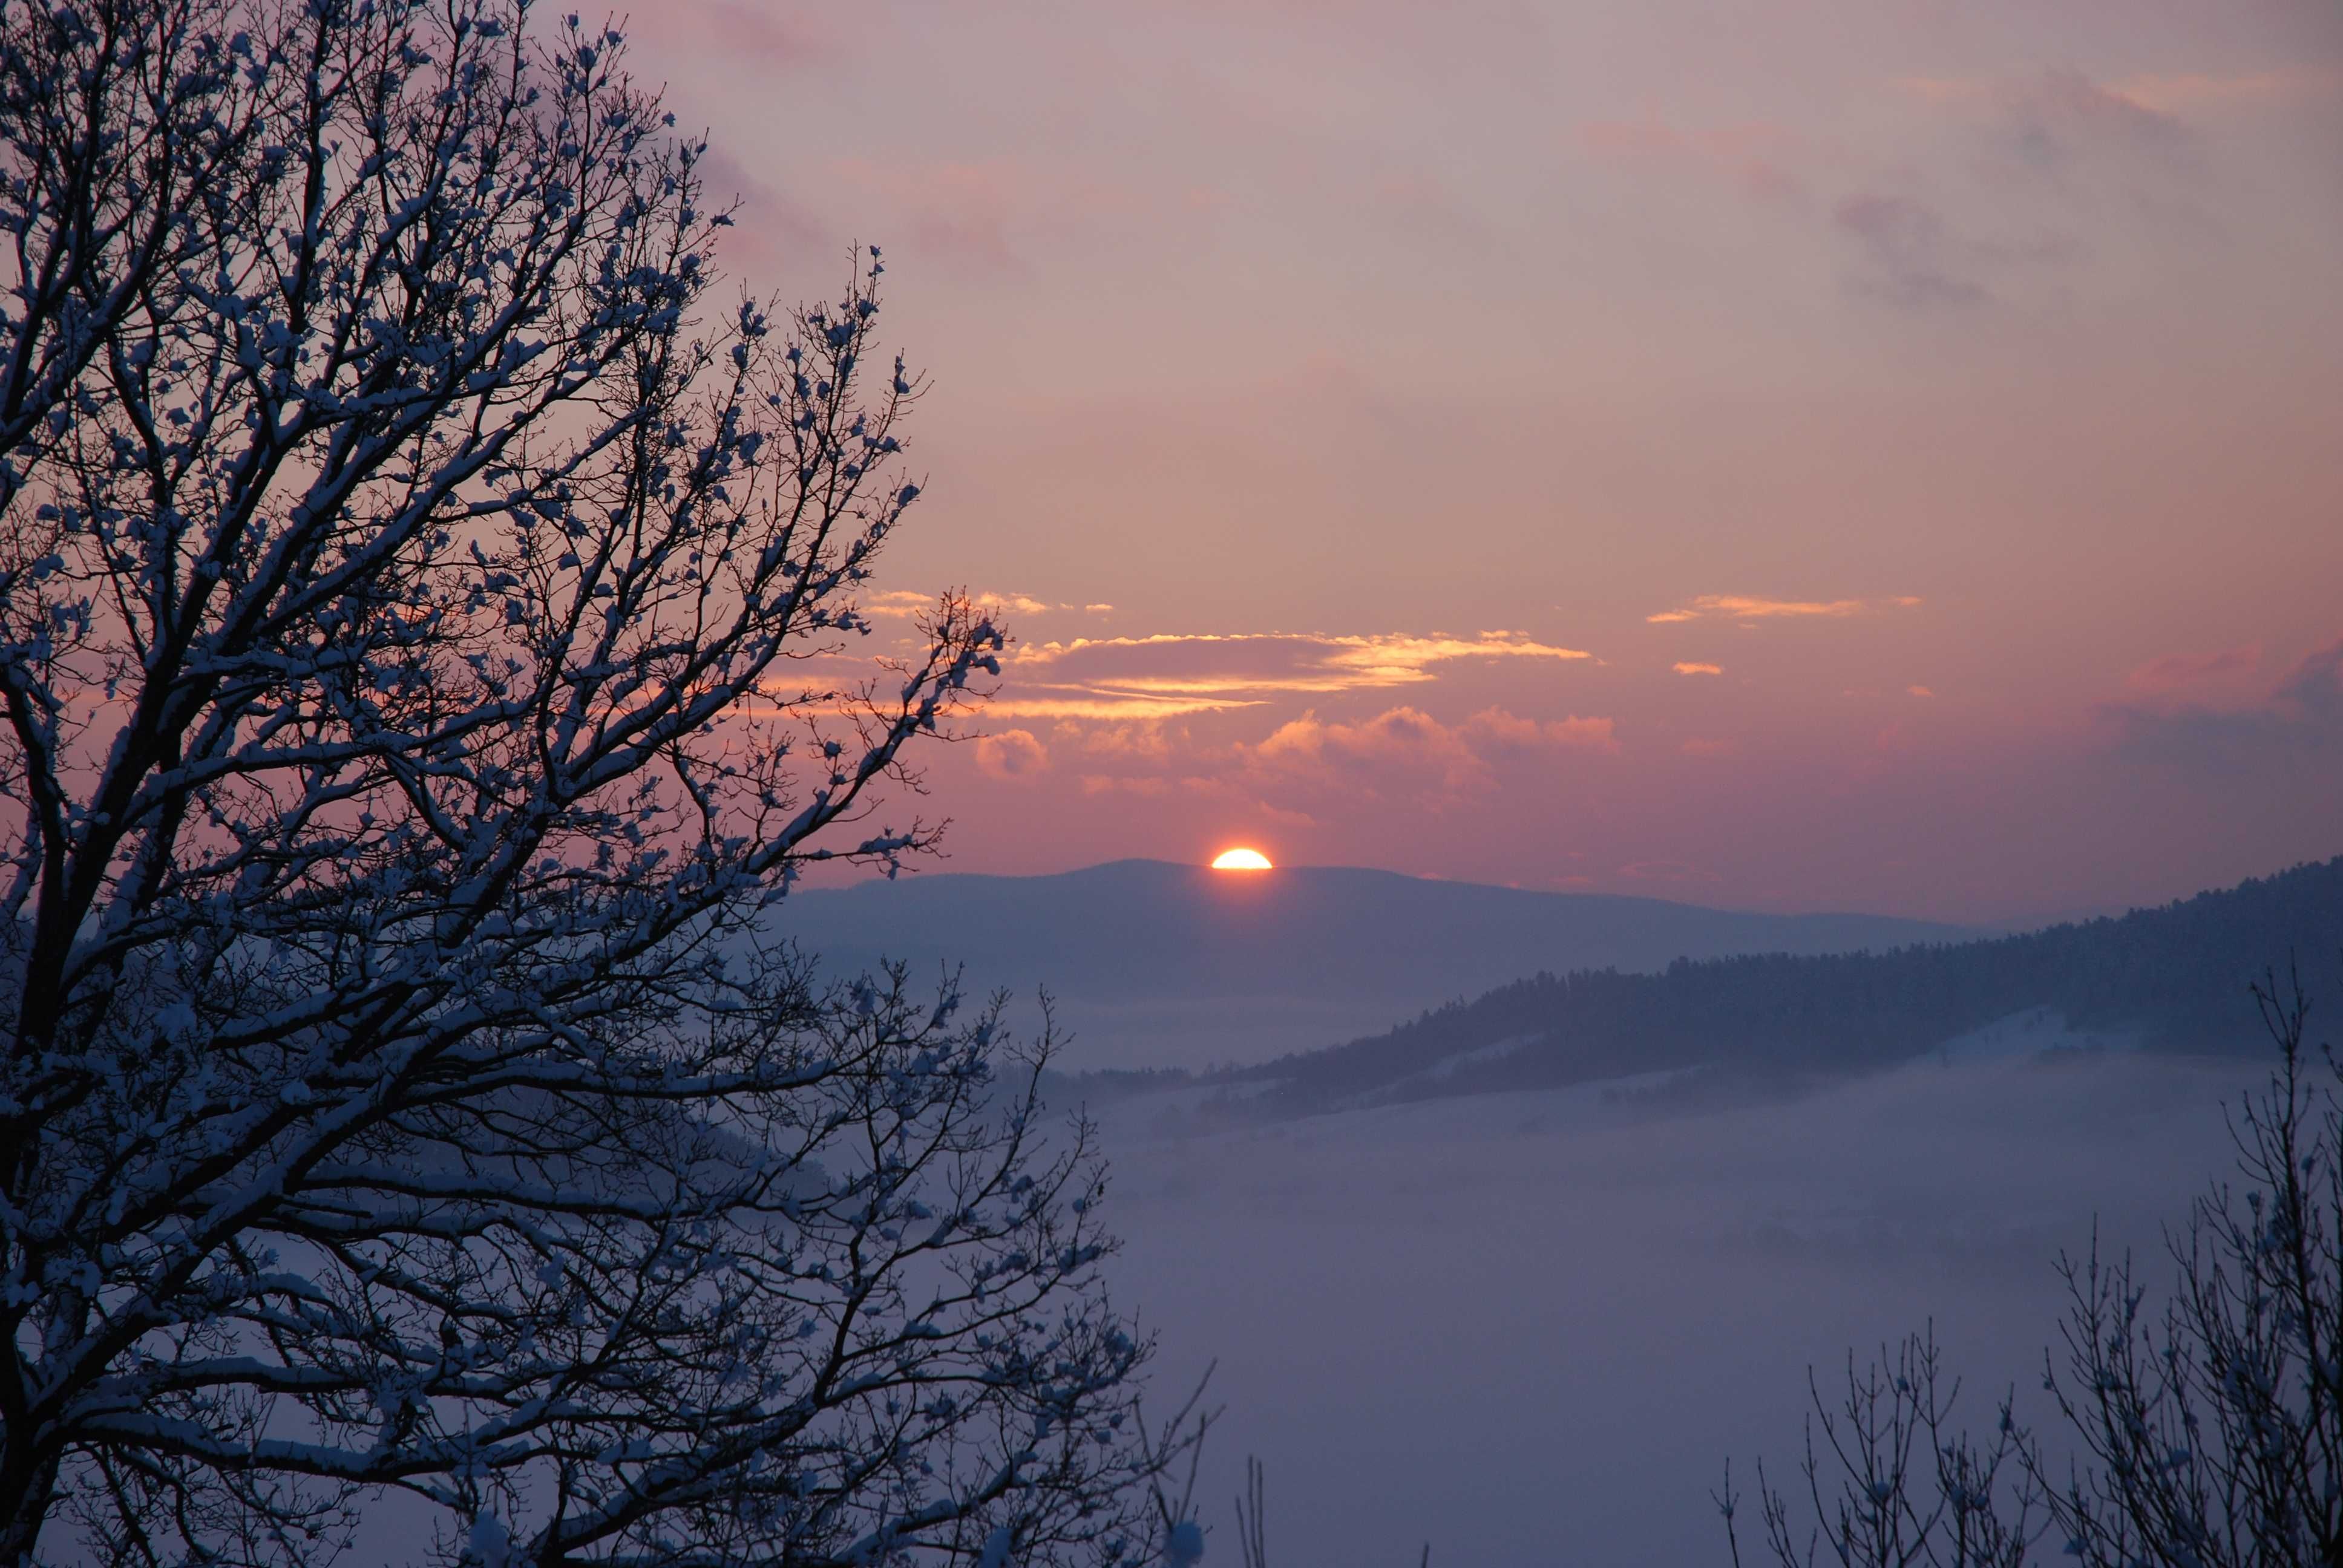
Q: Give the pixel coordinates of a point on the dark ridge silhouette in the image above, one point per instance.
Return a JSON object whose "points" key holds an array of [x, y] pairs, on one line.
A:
{"points": [[2174, 978]]}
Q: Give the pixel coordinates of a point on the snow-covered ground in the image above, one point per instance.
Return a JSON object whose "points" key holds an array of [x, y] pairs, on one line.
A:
{"points": [[1531, 1328], [2031, 1032]]}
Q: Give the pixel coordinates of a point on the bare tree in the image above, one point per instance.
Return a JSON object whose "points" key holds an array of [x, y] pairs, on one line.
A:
{"points": [[2214, 1429], [421, 620], [1894, 1483], [2206, 1434]]}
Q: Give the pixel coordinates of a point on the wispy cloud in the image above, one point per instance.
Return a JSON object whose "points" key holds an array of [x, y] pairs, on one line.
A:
{"points": [[901, 604], [2175, 92], [1224, 668], [2051, 111], [1686, 667], [1739, 607], [1910, 258], [1128, 706]]}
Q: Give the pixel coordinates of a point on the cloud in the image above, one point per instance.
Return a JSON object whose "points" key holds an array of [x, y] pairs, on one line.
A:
{"points": [[1398, 743], [2190, 90], [1218, 670], [901, 604], [1137, 742], [1405, 752], [2186, 671], [2049, 117], [898, 604], [1919, 691], [1910, 259], [1737, 607], [1121, 706], [2052, 112], [1684, 667], [2300, 717], [1493, 732], [1011, 754]]}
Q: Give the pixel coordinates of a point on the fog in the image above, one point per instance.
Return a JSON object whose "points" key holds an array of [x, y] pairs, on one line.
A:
{"points": [[1529, 1329]]}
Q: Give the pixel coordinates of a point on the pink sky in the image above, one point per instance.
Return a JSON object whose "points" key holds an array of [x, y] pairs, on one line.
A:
{"points": [[1826, 453]]}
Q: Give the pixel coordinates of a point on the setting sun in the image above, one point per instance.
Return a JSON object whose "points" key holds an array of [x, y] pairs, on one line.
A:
{"points": [[1240, 861]]}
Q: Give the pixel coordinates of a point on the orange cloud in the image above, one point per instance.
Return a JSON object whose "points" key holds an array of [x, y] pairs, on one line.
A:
{"points": [[898, 604], [1224, 667], [1111, 706], [901, 604], [1739, 607], [1372, 750], [1686, 667], [2171, 93]]}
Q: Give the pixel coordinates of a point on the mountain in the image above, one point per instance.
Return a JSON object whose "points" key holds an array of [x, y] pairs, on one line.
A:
{"points": [[2174, 978], [1155, 964]]}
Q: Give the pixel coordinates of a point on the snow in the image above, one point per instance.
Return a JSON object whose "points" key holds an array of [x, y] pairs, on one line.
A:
{"points": [[2031, 1032]]}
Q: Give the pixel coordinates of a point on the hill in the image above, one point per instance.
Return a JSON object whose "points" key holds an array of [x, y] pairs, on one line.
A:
{"points": [[1156, 964], [2174, 978]]}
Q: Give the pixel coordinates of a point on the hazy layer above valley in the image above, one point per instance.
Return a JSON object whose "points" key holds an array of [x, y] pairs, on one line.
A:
{"points": [[1530, 1327]]}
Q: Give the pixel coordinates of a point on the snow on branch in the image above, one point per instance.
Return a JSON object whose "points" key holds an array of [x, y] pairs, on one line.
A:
{"points": [[406, 560]]}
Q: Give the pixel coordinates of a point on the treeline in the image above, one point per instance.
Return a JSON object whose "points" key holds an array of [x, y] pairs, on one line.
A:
{"points": [[2176, 976]]}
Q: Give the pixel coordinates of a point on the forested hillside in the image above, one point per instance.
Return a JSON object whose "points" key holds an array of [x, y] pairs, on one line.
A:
{"points": [[2175, 977]]}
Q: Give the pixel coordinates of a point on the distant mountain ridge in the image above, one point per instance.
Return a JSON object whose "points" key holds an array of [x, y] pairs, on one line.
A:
{"points": [[2174, 978], [1161, 964]]}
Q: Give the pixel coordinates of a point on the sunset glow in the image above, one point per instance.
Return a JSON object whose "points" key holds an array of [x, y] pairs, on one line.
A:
{"points": [[1240, 861], [2004, 334]]}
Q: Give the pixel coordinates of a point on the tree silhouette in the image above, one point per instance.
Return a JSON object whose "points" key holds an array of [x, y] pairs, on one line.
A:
{"points": [[421, 619], [2206, 1434]]}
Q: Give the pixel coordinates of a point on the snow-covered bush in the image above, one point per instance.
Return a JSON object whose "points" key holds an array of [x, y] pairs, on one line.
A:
{"points": [[421, 608]]}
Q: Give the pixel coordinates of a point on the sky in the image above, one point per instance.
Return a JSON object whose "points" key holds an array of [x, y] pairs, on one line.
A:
{"points": [[1822, 453]]}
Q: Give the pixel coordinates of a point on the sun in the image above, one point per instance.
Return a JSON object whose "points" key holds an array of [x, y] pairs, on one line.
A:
{"points": [[1240, 861]]}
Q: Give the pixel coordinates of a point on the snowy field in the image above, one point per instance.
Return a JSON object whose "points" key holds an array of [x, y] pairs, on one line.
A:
{"points": [[1529, 1329]]}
